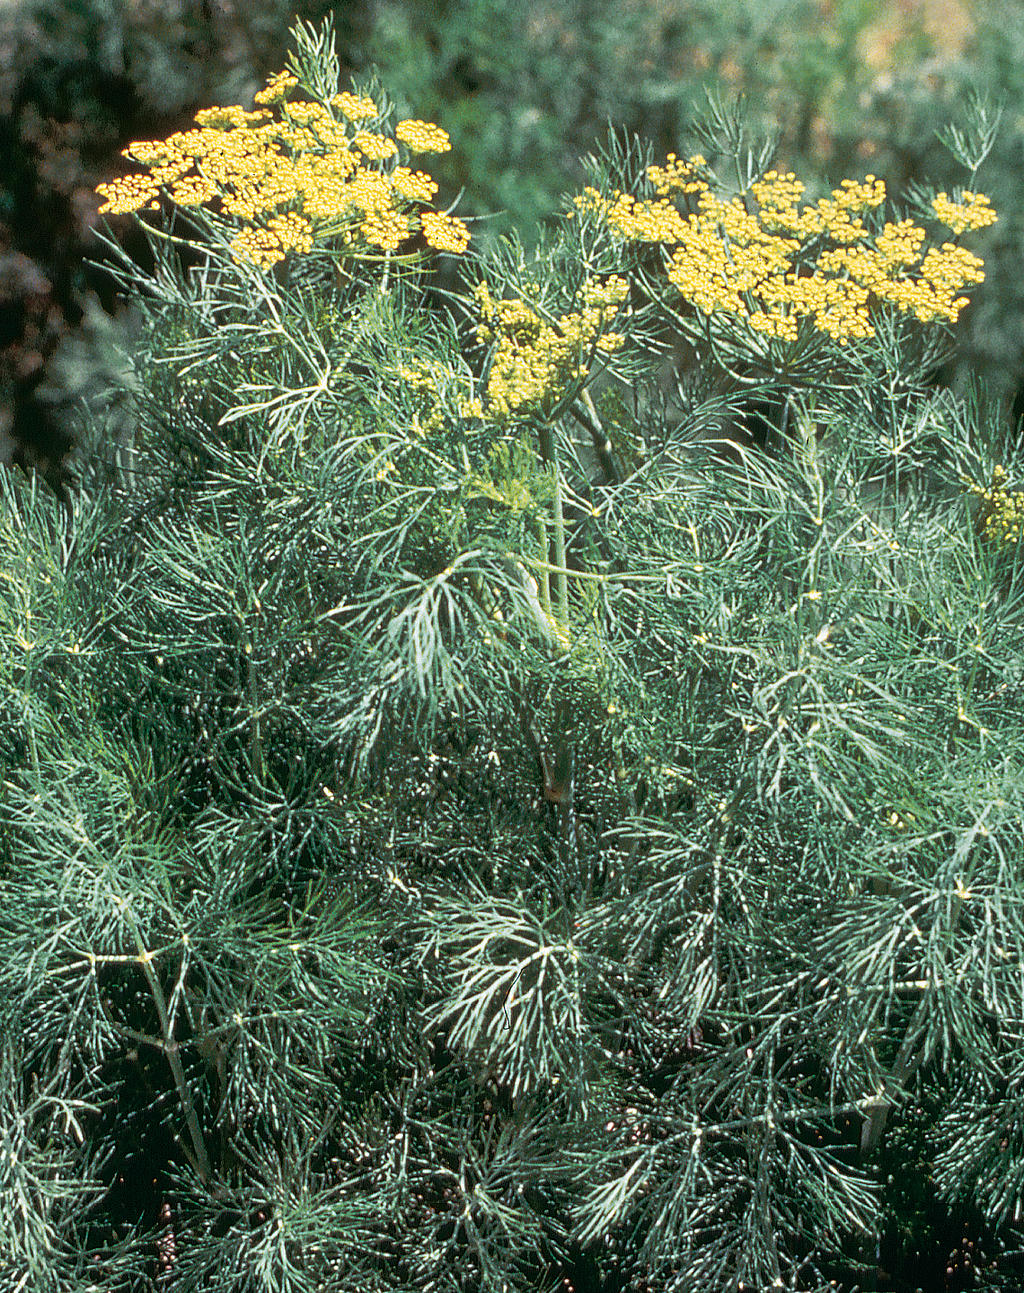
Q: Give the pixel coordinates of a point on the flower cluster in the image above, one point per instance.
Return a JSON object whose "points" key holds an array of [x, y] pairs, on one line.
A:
{"points": [[423, 137], [534, 359], [264, 245], [757, 266], [276, 89], [353, 107], [974, 212], [444, 232], [1002, 514], [317, 170], [676, 174], [376, 147]]}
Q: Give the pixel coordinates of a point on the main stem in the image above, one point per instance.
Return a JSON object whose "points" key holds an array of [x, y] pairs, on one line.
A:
{"points": [[550, 457], [170, 1047], [255, 739], [543, 578]]}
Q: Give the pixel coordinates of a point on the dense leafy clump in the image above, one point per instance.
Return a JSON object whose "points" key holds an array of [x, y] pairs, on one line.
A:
{"points": [[464, 826]]}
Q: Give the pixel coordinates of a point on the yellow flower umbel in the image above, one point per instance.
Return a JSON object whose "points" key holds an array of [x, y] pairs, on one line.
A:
{"points": [[725, 258], [317, 171], [975, 212], [535, 360]]}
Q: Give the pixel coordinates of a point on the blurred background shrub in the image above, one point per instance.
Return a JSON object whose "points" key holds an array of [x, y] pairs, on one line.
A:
{"points": [[525, 88]]}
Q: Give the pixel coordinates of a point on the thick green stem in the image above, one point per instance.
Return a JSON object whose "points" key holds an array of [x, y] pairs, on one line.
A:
{"points": [[543, 578], [876, 1112], [256, 740], [550, 457], [589, 420], [907, 1063], [558, 768], [170, 1048], [33, 749]]}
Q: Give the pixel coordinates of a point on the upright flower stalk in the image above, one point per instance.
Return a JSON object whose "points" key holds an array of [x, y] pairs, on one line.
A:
{"points": [[539, 364], [549, 456]]}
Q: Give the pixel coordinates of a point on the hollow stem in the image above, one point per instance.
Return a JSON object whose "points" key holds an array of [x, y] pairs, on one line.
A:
{"points": [[33, 750], [588, 419], [543, 577], [170, 1048], [550, 457], [256, 740]]}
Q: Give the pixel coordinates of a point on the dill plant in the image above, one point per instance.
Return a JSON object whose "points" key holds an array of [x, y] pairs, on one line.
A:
{"points": [[457, 832]]}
